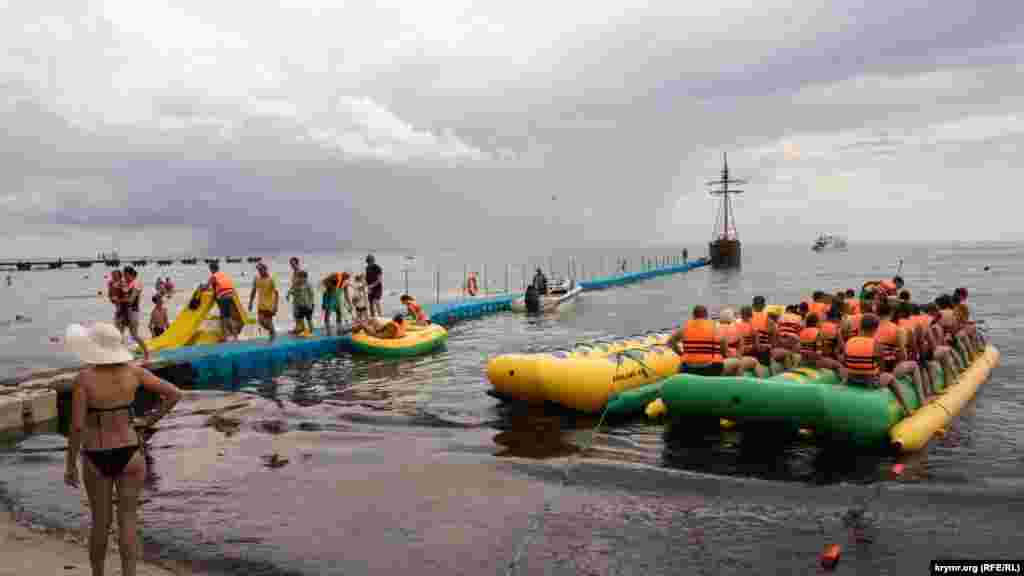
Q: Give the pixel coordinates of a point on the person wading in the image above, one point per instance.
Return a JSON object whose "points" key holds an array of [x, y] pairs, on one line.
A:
{"points": [[374, 286], [266, 308], [103, 432], [224, 294]]}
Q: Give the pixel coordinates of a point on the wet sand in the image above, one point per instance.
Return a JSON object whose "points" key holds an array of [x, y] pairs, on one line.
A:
{"points": [[33, 549], [369, 490]]}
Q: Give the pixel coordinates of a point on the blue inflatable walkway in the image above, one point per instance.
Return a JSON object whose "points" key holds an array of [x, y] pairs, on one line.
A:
{"points": [[233, 362]]}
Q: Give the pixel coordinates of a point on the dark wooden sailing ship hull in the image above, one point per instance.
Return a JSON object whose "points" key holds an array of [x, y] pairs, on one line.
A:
{"points": [[725, 253]]}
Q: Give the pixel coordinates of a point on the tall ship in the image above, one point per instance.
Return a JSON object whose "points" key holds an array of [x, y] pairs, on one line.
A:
{"points": [[724, 249], [828, 242]]}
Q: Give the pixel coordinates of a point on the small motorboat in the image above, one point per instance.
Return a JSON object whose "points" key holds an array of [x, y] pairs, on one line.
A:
{"points": [[560, 294], [826, 242]]}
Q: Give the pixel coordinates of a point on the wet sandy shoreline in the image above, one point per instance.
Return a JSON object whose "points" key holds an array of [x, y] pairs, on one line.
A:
{"points": [[352, 493]]}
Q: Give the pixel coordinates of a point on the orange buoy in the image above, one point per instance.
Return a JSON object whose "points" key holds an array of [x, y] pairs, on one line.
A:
{"points": [[830, 556]]}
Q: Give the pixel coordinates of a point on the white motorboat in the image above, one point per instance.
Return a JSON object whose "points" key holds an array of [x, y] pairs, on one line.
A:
{"points": [[561, 293], [826, 242]]}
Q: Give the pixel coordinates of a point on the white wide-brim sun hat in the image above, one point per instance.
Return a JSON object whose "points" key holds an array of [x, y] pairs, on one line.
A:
{"points": [[99, 343]]}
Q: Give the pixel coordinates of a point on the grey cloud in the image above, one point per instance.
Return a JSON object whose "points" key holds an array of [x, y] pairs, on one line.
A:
{"points": [[619, 120]]}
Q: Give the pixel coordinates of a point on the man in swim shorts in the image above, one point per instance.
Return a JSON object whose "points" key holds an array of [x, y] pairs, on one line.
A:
{"points": [[374, 285]]}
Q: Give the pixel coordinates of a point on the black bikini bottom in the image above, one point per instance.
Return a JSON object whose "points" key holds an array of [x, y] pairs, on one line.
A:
{"points": [[111, 463]]}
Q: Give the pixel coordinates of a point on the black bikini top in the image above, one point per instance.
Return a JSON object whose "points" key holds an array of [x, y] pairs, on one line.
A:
{"points": [[128, 407]]}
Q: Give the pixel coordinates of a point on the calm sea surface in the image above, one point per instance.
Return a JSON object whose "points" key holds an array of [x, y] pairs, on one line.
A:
{"points": [[407, 465]]}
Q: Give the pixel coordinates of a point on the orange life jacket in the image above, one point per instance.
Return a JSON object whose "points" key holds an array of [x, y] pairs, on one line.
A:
{"points": [[818, 308], [759, 324], [809, 339], [336, 277], [222, 285], [830, 338], [861, 359], [888, 337], [746, 332], [853, 307], [790, 325], [699, 344], [732, 338], [417, 311]]}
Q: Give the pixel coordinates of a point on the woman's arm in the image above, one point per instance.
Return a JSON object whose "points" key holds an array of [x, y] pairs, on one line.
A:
{"points": [[169, 395], [78, 407]]}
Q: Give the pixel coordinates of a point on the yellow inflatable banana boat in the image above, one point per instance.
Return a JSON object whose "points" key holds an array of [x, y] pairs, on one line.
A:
{"points": [[913, 432], [586, 377]]}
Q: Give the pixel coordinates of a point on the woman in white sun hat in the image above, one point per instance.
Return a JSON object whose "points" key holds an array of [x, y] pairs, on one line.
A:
{"points": [[103, 429]]}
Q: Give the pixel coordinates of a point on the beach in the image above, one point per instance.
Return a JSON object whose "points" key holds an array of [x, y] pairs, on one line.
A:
{"points": [[386, 466], [34, 549]]}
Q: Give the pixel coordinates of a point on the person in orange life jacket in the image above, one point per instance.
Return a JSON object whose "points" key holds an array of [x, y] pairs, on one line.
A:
{"points": [[818, 304], [765, 334], [951, 331], [704, 347], [903, 318], [748, 335], [391, 330], [891, 287], [787, 350], [966, 314], [895, 356], [830, 338], [943, 353], [928, 358], [862, 362], [736, 362], [850, 325], [809, 341], [967, 329], [415, 310], [224, 292]]}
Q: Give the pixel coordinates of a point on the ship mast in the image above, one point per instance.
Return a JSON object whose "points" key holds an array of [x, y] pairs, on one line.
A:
{"points": [[723, 182]]}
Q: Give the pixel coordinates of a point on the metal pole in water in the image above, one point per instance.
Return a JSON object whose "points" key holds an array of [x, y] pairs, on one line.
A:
{"points": [[406, 274], [437, 284], [485, 279], [507, 267], [465, 276]]}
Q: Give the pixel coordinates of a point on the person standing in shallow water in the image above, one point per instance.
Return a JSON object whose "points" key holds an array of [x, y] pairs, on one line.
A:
{"points": [[374, 285], [224, 294], [265, 287], [103, 431]]}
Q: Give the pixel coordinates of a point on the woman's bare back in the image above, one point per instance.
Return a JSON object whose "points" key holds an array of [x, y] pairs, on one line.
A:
{"points": [[106, 388]]}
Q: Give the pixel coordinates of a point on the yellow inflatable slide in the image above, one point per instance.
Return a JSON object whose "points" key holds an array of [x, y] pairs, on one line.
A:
{"points": [[192, 327]]}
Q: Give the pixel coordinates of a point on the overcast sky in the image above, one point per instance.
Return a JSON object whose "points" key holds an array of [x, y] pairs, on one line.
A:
{"points": [[226, 126]]}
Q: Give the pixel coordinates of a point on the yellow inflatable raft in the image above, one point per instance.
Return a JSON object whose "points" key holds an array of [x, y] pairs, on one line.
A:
{"points": [[417, 340], [913, 432], [586, 377]]}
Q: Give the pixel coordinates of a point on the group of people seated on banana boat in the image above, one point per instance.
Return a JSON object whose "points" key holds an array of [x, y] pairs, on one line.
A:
{"points": [[869, 340]]}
